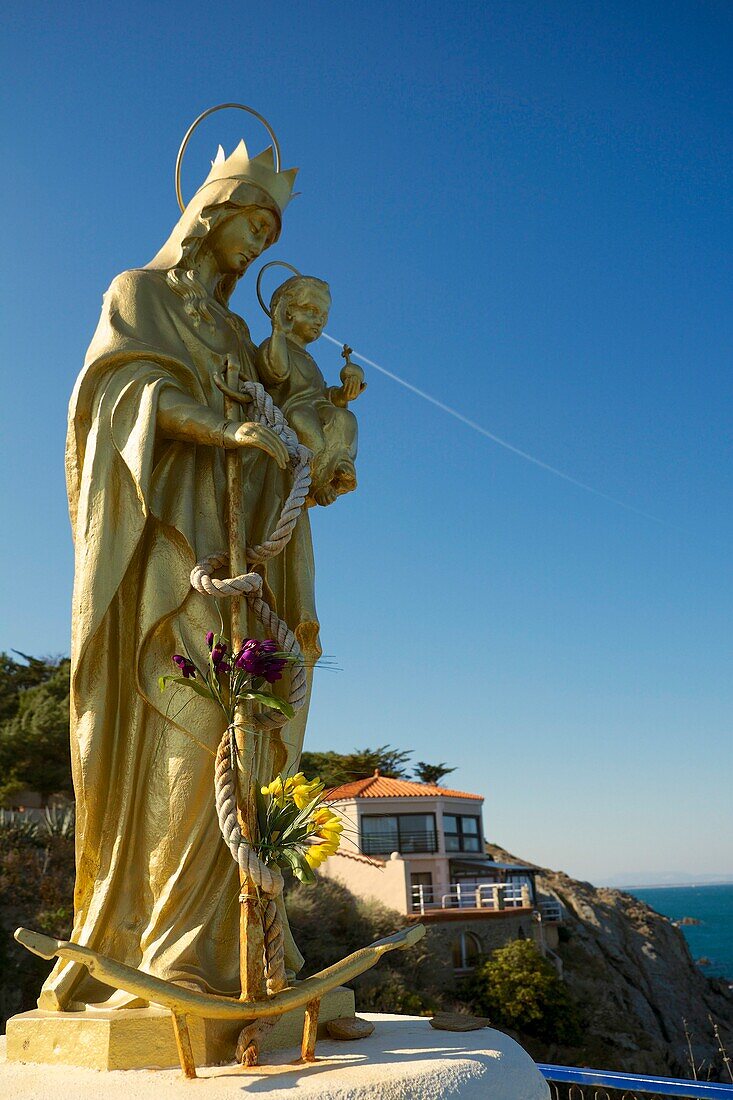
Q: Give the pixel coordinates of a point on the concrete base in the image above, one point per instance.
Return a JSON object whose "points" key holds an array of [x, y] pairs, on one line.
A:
{"points": [[404, 1059], [142, 1038]]}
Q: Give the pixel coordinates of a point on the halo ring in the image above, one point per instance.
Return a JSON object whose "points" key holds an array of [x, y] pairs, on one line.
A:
{"points": [[272, 263], [201, 117]]}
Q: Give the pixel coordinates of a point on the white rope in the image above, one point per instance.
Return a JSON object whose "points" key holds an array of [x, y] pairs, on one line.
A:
{"points": [[268, 879], [270, 882], [249, 585], [266, 412]]}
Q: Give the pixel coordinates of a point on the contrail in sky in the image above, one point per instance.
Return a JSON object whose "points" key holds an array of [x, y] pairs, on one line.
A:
{"points": [[497, 439]]}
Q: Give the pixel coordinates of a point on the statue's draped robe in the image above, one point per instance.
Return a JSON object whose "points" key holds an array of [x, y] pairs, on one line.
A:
{"points": [[156, 886]]}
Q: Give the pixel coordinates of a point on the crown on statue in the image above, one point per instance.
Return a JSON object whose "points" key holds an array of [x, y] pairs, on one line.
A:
{"points": [[259, 170]]}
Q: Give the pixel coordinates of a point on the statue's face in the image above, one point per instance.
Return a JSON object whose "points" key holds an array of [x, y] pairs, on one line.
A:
{"points": [[241, 238], [310, 314]]}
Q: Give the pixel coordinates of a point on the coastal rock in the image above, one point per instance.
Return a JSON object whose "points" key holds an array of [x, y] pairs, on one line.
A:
{"points": [[635, 982], [687, 921]]}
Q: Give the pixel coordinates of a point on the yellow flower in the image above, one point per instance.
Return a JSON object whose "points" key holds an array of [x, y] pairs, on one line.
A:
{"points": [[296, 789], [319, 853], [315, 856], [303, 793], [327, 826], [275, 790]]}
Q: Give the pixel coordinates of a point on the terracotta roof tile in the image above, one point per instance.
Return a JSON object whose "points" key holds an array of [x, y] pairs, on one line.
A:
{"points": [[380, 786]]}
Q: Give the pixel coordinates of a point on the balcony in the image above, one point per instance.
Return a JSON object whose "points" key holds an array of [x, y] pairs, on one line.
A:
{"points": [[404, 841], [460, 895], [551, 911]]}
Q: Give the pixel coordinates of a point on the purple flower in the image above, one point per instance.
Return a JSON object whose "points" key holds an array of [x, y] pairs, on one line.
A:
{"points": [[258, 658], [188, 668], [218, 657], [210, 639]]}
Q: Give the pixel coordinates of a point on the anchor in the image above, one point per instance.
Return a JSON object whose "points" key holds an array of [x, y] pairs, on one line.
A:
{"points": [[188, 1002]]}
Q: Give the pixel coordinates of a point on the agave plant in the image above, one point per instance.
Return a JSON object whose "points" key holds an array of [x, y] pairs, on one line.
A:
{"points": [[59, 821]]}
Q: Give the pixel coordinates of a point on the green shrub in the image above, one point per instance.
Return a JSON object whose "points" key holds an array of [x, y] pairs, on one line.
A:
{"points": [[328, 922], [519, 989], [36, 890]]}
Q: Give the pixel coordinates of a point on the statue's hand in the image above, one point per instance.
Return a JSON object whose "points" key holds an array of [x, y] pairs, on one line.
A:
{"points": [[281, 319], [352, 378], [257, 435]]}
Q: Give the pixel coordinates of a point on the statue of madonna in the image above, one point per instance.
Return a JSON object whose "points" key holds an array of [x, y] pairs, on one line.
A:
{"points": [[156, 888]]}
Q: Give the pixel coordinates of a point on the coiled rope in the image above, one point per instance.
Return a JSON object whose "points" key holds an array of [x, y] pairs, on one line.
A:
{"points": [[268, 880], [249, 585]]}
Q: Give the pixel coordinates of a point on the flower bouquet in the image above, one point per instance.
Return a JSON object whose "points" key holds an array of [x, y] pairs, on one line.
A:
{"points": [[296, 830], [229, 679]]}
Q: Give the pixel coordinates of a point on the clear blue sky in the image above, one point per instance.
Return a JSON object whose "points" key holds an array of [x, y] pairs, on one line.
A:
{"points": [[523, 208]]}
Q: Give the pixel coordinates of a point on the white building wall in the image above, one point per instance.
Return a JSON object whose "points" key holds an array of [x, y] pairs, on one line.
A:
{"points": [[388, 882]]}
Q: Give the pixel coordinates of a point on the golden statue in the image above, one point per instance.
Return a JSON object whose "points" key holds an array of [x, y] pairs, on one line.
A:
{"points": [[156, 888], [162, 472]]}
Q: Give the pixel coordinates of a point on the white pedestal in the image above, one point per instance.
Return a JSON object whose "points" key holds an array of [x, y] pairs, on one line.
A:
{"points": [[405, 1059]]}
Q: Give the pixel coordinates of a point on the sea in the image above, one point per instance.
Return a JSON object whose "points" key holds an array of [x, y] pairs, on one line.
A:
{"points": [[713, 906]]}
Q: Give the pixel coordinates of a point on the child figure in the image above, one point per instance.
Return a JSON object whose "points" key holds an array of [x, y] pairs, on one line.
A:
{"points": [[317, 413]]}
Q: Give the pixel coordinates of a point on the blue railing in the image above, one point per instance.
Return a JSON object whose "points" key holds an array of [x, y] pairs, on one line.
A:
{"points": [[604, 1085]]}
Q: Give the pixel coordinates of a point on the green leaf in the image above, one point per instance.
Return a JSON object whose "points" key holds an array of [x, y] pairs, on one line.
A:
{"points": [[290, 857], [267, 700], [305, 872], [194, 685], [286, 857], [306, 812], [262, 815]]}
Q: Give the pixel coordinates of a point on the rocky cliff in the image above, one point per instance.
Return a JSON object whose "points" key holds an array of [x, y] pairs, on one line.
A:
{"points": [[635, 983]]}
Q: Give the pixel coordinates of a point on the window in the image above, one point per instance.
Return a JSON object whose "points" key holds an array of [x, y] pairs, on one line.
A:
{"points": [[466, 952], [404, 833], [417, 832], [462, 833], [379, 834]]}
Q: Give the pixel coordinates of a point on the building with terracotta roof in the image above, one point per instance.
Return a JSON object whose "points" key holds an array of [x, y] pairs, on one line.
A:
{"points": [[420, 849]]}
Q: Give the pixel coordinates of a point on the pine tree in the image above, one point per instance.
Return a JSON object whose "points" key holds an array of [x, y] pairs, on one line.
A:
{"points": [[431, 773], [34, 740], [335, 768]]}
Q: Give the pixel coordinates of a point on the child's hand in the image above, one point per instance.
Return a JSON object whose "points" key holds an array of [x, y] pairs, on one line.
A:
{"points": [[281, 319], [352, 378]]}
